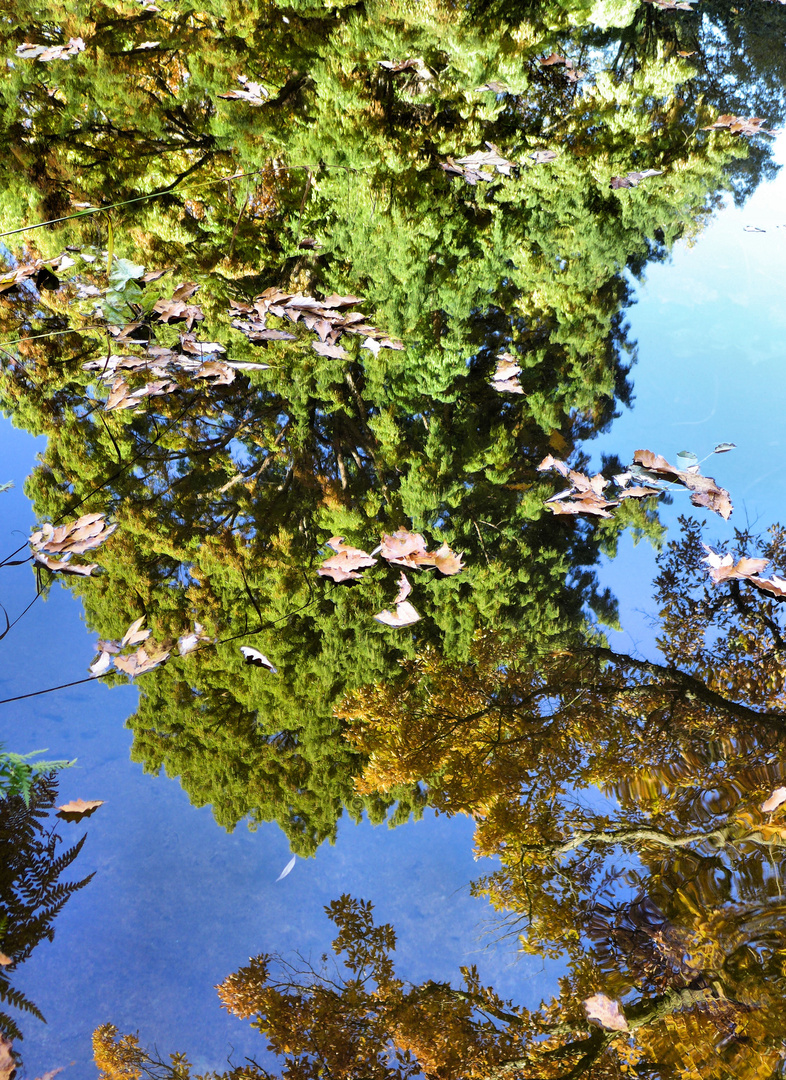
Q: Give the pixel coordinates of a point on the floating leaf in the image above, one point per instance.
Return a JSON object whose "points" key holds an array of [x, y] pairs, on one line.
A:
{"points": [[704, 490], [775, 800], [188, 642], [141, 661], [404, 615], [44, 53], [686, 459], [5, 960], [288, 868], [740, 125], [78, 809], [343, 565], [101, 665], [258, 659], [448, 562], [633, 179], [404, 588], [724, 447], [606, 1012], [134, 634]]}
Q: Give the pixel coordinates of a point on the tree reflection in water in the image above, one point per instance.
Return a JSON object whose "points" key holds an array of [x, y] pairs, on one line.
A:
{"points": [[318, 153]]}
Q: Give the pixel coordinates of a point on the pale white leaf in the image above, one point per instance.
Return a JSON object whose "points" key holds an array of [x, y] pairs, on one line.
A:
{"points": [[288, 868]]}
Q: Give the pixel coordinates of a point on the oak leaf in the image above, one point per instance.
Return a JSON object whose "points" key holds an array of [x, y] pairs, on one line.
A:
{"points": [[343, 566], [78, 809]]}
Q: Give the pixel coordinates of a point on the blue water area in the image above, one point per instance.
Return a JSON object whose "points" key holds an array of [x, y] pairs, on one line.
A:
{"points": [[710, 324]]}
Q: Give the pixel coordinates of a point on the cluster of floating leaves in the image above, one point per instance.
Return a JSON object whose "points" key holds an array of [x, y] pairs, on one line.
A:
{"points": [[505, 378], [740, 125], [724, 568], [400, 548], [75, 538], [194, 359], [40, 271], [329, 319], [44, 53], [651, 474], [143, 659]]}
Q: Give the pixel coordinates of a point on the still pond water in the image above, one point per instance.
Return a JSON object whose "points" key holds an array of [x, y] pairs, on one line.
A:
{"points": [[375, 358]]}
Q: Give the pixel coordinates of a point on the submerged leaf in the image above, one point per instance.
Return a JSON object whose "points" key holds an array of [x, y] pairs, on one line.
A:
{"points": [[288, 868], [606, 1012]]}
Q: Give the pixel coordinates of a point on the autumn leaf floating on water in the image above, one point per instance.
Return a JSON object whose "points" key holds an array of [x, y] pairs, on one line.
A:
{"points": [[740, 125], [328, 319], [572, 73], [42, 272], [775, 800], [633, 179], [585, 494], [704, 491], [85, 534], [253, 93], [344, 565], [257, 659], [505, 378], [606, 1012], [650, 474], [188, 642], [724, 568], [131, 664], [44, 53], [401, 548], [473, 167], [78, 809]]}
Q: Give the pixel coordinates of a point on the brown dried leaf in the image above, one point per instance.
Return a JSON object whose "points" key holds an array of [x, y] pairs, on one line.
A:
{"points": [[8, 1065], [633, 179], [134, 634], [404, 588], [78, 809], [740, 125], [704, 490], [724, 568], [64, 566], [448, 562], [5, 960], [176, 311], [404, 548], [343, 565], [549, 61]]}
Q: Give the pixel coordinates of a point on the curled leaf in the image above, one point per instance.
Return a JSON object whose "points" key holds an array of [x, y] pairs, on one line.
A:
{"points": [[258, 659]]}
